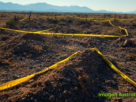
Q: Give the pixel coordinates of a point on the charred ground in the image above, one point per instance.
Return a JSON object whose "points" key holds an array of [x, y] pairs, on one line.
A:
{"points": [[79, 79]]}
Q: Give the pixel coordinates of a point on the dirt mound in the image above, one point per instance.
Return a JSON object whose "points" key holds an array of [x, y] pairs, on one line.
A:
{"points": [[36, 37], [26, 48], [78, 80]]}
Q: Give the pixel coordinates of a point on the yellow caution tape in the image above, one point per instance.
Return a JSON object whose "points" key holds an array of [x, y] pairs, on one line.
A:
{"points": [[100, 18], [45, 30], [121, 19], [94, 35], [23, 19], [120, 28], [125, 19], [21, 80], [53, 16], [47, 33], [15, 82], [114, 68], [24, 79]]}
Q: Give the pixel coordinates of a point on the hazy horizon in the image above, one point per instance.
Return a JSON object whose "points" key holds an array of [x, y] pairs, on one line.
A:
{"points": [[117, 5]]}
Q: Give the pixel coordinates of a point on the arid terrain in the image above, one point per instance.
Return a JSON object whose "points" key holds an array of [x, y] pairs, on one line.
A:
{"points": [[79, 79]]}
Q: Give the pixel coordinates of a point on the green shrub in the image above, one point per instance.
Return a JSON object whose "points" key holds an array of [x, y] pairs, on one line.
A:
{"points": [[12, 23], [86, 25], [56, 29]]}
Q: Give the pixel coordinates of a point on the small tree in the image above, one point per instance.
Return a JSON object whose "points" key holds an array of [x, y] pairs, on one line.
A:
{"points": [[115, 16], [119, 17], [55, 17], [125, 15], [86, 18], [2, 14], [15, 19], [109, 15], [104, 16], [29, 16]]}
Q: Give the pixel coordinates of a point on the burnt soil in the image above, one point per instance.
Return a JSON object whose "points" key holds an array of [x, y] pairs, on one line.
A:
{"points": [[78, 80]]}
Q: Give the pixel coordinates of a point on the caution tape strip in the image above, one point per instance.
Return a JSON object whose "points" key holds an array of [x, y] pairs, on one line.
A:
{"points": [[100, 18], [44, 30], [23, 19], [120, 28], [24, 79], [94, 35], [110, 23], [54, 16], [21, 80], [115, 69], [68, 34]]}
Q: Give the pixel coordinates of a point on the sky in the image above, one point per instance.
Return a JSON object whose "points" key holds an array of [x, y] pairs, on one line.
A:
{"points": [[110, 5]]}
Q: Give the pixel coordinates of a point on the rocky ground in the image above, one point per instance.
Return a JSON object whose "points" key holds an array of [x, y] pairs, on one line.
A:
{"points": [[78, 80]]}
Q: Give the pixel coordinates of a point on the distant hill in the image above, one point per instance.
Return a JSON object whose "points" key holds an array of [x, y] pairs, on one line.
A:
{"points": [[44, 7], [134, 12]]}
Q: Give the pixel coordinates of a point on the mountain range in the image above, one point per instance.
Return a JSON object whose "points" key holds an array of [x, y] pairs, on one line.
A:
{"points": [[44, 7]]}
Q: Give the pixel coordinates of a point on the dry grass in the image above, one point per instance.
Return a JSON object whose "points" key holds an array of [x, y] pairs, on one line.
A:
{"points": [[62, 20], [51, 47], [88, 45], [114, 31], [62, 23], [36, 47], [106, 23], [83, 80], [29, 56], [133, 40], [13, 65], [134, 24], [2, 36], [56, 29], [87, 25], [4, 62], [79, 22], [116, 22], [12, 23], [80, 29], [7, 61], [130, 57], [122, 48]]}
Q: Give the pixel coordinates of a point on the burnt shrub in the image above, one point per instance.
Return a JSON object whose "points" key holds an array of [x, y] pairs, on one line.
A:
{"points": [[12, 23]]}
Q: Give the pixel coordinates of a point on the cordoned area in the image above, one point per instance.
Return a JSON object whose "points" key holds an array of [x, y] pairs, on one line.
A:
{"points": [[24, 79]]}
